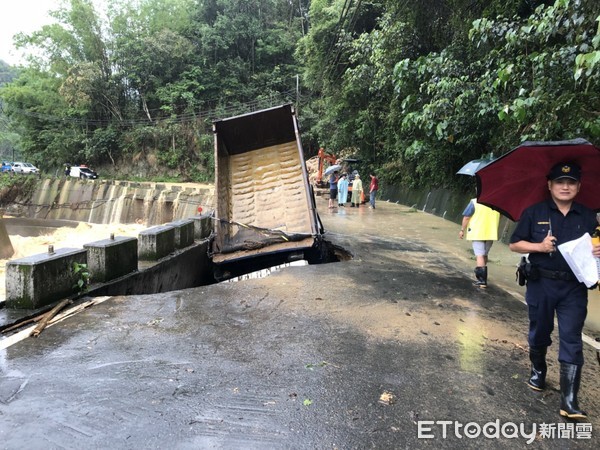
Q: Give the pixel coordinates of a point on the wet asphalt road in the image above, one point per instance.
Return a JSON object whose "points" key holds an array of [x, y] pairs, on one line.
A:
{"points": [[349, 355]]}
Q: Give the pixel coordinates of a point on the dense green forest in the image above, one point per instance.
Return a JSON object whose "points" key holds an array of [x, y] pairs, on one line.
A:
{"points": [[414, 88]]}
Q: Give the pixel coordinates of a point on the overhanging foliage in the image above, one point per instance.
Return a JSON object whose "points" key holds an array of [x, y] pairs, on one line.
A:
{"points": [[413, 88]]}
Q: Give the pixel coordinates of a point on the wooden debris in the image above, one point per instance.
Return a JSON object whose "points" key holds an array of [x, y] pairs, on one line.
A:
{"points": [[48, 316], [28, 331], [23, 323]]}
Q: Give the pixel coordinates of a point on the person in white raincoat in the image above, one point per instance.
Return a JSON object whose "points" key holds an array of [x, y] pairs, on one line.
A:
{"points": [[342, 190]]}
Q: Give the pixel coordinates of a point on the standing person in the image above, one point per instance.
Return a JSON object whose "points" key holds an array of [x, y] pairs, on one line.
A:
{"points": [[333, 190], [342, 190], [481, 225], [552, 286], [357, 189], [373, 188]]}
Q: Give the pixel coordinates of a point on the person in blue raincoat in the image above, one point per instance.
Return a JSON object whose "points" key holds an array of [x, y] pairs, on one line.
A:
{"points": [[552, 288], [342, 190]]}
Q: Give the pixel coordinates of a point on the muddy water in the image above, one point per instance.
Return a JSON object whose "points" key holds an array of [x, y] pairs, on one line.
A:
{"points": [[64, 237]]}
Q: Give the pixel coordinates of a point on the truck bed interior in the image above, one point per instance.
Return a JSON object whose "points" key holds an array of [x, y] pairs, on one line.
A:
{"points": [[264, 201]]}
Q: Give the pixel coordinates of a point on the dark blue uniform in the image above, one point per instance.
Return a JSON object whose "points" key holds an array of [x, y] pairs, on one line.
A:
{"points": [[556, 289], [333, 190]]}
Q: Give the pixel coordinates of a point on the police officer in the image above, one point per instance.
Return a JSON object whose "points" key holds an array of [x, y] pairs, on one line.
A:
{"points": [[552, 286]]}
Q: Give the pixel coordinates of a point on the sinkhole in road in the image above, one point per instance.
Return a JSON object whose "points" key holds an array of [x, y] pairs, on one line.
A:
{"points": [[266, 272], [325, 252]]}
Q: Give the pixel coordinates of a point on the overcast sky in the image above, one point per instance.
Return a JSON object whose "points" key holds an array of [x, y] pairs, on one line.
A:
{"points": [[25, 16], [21, 15]]}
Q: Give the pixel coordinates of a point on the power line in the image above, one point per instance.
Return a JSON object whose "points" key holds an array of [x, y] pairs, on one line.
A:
{"points": [[350, 30], [212, 114], [343, 28], [338, 27]]}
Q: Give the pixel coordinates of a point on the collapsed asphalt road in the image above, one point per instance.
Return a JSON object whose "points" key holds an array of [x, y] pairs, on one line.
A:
{"points": [[353, 354]]}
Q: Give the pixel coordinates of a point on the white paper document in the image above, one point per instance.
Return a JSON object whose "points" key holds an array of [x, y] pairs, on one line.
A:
{"points": [[578, 254]]}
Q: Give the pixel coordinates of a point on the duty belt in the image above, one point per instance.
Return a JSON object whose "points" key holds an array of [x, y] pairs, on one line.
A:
{"points": [[557, 275]]}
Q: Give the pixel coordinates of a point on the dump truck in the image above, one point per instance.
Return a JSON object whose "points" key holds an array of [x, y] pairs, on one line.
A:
{"points": [[265, 212]]}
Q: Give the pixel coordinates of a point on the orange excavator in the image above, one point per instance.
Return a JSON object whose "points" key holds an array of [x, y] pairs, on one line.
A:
{"points": [[332, 159], [321, 163]]}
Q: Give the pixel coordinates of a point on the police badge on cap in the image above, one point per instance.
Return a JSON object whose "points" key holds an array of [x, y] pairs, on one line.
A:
{"points": [[565, 170]]}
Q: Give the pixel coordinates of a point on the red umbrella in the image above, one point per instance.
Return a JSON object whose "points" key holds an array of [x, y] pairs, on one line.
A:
{"points": [[517, 180]]}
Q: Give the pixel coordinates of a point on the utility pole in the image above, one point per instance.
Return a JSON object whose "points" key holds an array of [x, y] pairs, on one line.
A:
{"points": [[297, 93]]}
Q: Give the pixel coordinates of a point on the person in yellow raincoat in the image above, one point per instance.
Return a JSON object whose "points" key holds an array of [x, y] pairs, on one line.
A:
{"points": [[481, 226], [357, 189]]}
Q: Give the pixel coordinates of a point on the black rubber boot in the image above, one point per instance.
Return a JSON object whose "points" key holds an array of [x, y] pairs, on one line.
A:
{"points": [[570, 376], [481, 275], [537, 379]]}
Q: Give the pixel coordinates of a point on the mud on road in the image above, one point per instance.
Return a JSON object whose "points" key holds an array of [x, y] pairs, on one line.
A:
{"points": [[344, 355]]}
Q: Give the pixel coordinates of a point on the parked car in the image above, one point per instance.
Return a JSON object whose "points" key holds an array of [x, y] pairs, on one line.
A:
{"points": [[24, 168], [6, 167], [83, 172]]}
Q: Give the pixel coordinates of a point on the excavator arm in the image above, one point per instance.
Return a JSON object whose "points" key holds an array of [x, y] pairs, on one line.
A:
{"points": [[321, 165]]}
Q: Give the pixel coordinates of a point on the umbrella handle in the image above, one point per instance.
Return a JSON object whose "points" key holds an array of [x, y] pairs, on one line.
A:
{"points": [[553, 241]]}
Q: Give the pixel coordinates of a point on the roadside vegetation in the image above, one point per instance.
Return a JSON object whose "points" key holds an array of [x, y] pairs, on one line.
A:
{"points": [[16, 187], [414, 88]]}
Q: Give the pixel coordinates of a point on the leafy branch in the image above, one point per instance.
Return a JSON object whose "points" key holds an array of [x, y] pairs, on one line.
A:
{"points": [[82, 275]]}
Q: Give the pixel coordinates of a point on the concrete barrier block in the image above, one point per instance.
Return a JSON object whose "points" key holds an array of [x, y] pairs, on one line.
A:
{"points": [[156, 242], [203, 225], [42, 279], [184, 232], [112, 258]]}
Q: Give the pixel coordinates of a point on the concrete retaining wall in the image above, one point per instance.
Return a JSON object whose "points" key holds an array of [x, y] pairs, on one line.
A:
{"points": [[185, 269], [184, 232], [109, 201], [441, 202], [6, 248], [41, 279], [111, 258], [156, 242], [203, 226]]}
